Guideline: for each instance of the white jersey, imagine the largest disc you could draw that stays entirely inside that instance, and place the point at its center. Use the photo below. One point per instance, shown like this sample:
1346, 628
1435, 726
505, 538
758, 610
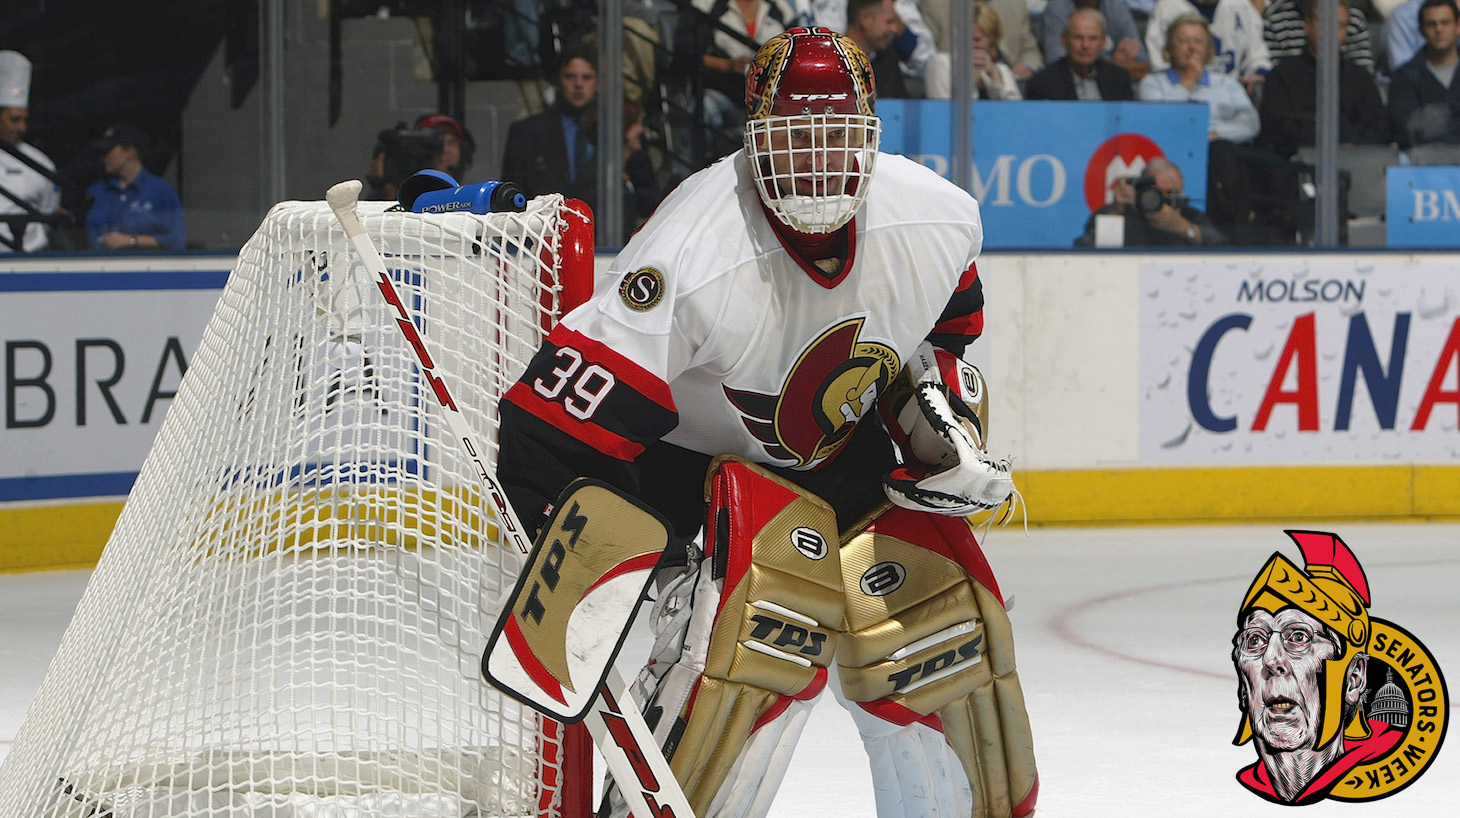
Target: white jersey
761, 358
36, 190
1237, 35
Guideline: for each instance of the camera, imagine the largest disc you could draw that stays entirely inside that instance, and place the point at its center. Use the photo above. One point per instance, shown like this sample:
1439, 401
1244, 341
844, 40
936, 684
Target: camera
407, 151
1149, 198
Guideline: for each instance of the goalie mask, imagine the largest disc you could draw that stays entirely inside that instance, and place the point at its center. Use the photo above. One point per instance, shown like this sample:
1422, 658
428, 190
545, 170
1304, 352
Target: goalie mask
811, 136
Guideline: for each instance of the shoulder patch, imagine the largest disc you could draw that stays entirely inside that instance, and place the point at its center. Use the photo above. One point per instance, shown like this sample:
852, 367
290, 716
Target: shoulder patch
643, 289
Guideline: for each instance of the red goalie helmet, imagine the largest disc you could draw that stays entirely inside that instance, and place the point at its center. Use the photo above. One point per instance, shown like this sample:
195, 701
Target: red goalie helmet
811, 136
809, 70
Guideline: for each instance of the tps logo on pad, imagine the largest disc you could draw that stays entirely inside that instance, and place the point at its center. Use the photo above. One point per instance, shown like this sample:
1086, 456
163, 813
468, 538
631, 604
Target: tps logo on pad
1338, 704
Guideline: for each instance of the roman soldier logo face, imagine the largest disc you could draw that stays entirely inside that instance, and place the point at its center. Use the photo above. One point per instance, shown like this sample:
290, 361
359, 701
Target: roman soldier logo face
1338, 703
832, 384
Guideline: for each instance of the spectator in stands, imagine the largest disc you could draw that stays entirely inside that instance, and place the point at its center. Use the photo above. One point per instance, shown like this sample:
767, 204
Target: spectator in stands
1122, 45
1235, 27
717, 39
1188, 51
874, 25
1171, 221
1402, 37
132, 208
1284, 30
913, 41
436, 142
1232, 122
40, 195
1290, 94
992, 77
457, 145
555, 151
1082, 73
1018, 46
1424, 94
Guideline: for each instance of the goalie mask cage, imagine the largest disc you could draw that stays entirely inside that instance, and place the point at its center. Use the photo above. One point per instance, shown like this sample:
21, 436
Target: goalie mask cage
289, 616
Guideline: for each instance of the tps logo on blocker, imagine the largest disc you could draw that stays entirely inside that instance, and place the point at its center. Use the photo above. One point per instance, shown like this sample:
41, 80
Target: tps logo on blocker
1337, 703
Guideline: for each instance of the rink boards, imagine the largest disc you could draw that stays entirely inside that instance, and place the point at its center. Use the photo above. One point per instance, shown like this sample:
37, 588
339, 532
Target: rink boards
1127, 387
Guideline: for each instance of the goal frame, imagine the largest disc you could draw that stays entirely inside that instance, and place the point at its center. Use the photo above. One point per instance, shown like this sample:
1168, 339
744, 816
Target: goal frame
565, 762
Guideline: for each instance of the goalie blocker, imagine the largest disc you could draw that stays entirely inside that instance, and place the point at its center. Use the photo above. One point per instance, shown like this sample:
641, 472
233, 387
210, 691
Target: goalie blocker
575, 600
906, 611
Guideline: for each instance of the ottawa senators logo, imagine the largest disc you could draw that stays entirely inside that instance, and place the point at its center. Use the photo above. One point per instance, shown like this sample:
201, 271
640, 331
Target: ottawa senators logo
643, 289
834, 382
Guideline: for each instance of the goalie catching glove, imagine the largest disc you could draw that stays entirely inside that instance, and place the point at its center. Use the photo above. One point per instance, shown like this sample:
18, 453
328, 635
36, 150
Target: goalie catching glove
939, 416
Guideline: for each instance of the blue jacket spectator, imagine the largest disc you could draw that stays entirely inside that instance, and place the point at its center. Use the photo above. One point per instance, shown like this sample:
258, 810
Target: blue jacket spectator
132, 208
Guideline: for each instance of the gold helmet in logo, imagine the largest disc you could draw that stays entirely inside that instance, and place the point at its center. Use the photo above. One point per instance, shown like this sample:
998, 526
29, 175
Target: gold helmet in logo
1332, 590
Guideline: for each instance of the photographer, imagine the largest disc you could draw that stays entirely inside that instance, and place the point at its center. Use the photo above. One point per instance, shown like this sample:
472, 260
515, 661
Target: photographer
1155, 211
436, 142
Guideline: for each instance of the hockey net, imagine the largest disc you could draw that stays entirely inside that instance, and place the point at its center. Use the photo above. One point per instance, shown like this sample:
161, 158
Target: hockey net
289, 616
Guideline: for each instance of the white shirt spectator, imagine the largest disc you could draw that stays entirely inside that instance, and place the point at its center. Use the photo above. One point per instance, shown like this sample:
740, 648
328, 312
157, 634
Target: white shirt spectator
998, 81
1236, 28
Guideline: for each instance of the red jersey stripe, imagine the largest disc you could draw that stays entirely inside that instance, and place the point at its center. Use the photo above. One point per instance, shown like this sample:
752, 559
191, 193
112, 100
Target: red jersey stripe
625, 370
589, 434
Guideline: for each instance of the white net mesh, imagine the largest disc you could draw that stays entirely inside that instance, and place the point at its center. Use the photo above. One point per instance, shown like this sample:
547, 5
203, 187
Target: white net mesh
289, 616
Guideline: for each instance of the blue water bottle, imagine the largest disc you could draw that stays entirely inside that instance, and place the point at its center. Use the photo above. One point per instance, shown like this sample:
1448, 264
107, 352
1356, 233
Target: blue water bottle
483, 197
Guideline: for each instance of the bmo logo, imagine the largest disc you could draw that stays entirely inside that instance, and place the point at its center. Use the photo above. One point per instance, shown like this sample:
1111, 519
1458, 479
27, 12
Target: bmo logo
1435, 206
1422, 206
1038, 180
1119, 157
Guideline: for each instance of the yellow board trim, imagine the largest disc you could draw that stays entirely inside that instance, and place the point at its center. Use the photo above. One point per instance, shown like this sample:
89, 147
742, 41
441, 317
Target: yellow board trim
46, 538
39, 538
1281, 494
56, 536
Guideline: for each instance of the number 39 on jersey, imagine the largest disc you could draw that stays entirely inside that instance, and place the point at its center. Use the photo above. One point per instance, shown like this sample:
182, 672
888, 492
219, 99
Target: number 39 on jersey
590, 384
596, 396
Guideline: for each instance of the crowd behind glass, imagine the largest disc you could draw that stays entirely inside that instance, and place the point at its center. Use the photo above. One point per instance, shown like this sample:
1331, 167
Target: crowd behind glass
1252, 62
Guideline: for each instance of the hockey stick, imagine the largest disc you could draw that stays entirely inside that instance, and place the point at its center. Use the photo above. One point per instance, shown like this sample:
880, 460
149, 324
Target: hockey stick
627, 744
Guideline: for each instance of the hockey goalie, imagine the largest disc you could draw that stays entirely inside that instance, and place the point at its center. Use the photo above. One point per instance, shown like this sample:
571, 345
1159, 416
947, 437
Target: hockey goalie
777, 371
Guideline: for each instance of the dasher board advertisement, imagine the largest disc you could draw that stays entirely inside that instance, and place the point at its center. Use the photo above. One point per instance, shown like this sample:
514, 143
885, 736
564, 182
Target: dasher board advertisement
1316, 360
90, 365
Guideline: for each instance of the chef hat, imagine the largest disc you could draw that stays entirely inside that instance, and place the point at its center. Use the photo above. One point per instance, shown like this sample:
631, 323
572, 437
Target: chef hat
14, 80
